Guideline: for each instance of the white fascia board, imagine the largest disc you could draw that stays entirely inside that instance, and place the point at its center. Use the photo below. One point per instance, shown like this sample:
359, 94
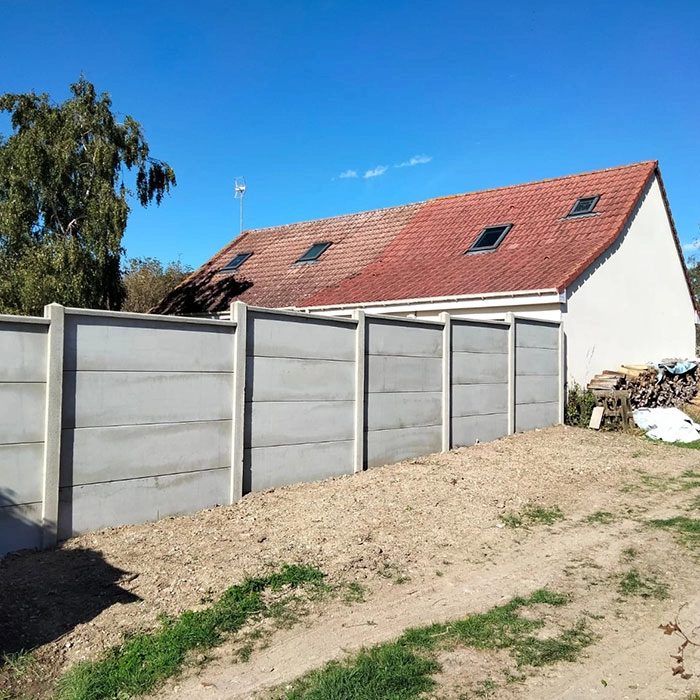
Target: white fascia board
466, 301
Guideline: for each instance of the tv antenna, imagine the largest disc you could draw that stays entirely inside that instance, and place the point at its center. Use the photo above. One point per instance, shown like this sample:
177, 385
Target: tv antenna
239, 193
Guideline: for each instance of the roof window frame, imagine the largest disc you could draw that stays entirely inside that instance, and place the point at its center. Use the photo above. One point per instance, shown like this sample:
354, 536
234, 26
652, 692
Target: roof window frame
476, 248
241, 257
594, 199
306, 259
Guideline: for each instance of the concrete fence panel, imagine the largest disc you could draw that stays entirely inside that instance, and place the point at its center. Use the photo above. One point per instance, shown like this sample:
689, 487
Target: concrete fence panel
23, 366
147, 412
537, 374
404, 389
479, 381
300, 399
110, 419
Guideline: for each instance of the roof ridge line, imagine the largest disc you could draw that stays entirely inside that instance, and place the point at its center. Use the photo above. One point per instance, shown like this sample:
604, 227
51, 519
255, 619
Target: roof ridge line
654, 163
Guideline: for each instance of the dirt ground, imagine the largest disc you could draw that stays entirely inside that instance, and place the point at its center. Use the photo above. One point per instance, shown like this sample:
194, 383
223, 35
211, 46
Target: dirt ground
425, 540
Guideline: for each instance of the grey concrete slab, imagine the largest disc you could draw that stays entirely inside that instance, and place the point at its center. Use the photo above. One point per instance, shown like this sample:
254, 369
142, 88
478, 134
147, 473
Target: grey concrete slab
536, 361
538, 415
272, 467
139, 344
94, 455
298, 422
23, 352
468, 430
94, 399
389, 446
272, 379
403, 410
536, 389
479, 368
20, 527
536, 334
22, 408
95, 506
476, 399
387, 373
276, 335
397, 337
21, 469
478, 336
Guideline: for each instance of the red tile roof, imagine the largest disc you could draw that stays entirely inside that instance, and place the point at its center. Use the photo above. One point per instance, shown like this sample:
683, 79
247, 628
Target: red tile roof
417, 251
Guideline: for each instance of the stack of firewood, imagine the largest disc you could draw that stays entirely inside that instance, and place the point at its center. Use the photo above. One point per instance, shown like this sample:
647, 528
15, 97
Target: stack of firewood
644, 389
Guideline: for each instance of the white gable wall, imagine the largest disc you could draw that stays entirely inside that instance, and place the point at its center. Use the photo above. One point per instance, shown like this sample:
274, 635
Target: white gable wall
632, 305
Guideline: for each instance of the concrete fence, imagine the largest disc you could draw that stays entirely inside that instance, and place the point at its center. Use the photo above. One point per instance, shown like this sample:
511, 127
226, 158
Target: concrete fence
115, 418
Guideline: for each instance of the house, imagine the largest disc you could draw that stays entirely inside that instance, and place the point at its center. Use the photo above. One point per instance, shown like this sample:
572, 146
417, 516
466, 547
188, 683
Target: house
597, 250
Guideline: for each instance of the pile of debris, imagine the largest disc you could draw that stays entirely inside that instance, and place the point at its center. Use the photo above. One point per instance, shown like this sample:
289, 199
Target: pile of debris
667, 384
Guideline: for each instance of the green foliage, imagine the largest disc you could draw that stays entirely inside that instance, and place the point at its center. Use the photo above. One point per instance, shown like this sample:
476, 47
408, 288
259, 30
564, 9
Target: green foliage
633, 583
144, 661
64, 201
603, 517
580, 403
147, 281
401, 670
687, 529
532, 515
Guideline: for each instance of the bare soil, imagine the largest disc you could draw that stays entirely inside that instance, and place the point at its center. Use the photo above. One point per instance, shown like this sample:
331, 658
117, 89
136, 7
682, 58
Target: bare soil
425, 540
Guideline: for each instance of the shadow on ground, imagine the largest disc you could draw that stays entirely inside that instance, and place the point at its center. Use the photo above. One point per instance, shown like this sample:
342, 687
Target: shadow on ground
44, 595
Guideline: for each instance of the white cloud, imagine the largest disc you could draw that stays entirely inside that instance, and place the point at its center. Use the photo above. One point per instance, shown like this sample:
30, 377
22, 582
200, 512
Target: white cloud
693, 247
376, 172
416, 160
348, 173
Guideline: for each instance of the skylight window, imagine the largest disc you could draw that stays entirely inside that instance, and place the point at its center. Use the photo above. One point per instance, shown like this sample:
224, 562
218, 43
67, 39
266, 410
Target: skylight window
235, 262
584, 205
315, 252
490, 238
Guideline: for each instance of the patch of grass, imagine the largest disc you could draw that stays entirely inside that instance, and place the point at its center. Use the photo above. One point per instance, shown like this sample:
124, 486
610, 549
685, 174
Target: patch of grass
532, 515
19, 663
402, 669
354, 592
686, 529
603, 517
633, 583
389, 671
687, 445
143, 661
629, 554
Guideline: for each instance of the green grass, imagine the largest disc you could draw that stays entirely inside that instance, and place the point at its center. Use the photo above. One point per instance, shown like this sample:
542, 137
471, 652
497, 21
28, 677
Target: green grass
687, 529
633, 583
603, 517
354, 592
143, 661
402, 669
687, 445
532, 515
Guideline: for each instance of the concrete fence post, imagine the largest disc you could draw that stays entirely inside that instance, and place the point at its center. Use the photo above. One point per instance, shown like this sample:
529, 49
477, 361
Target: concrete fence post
510, 318
562, 373
360, 396
239, 315
53, 423
446, 381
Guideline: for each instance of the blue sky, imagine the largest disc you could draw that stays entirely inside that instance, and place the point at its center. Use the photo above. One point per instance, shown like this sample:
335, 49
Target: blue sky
293, 94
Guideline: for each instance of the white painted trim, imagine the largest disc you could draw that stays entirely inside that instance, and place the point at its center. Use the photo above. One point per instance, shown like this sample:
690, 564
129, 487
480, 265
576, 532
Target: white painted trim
534, 295
562, 374
52, 425
360, 394
446, 319
239, 314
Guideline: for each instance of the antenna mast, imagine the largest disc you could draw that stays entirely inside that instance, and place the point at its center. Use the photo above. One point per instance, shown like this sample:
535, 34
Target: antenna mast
239, 193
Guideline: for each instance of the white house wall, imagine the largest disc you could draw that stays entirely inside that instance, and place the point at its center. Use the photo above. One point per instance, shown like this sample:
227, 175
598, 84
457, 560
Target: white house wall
633, 304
